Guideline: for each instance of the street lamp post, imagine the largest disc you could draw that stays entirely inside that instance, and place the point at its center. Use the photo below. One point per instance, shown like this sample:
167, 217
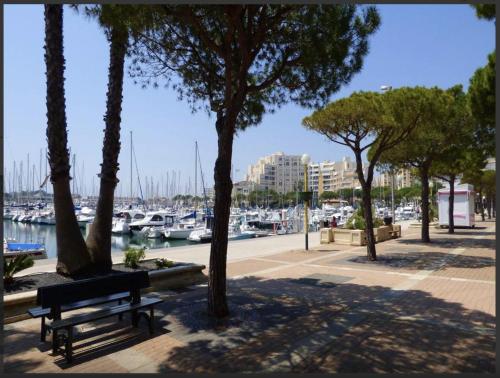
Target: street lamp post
392, 198
305, 161
385, 88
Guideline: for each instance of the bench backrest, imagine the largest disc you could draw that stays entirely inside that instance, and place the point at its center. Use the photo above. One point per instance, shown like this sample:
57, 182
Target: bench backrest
61, 294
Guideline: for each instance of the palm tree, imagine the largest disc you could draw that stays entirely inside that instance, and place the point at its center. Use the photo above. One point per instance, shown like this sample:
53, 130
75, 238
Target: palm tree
113, 20
72, 254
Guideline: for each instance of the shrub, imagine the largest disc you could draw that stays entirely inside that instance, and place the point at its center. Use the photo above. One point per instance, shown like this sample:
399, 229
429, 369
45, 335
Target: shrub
163, 263
133, 256
357, 220
14, 265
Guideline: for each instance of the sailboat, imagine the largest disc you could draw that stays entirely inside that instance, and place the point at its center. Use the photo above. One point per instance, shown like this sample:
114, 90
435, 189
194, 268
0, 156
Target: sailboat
187, 224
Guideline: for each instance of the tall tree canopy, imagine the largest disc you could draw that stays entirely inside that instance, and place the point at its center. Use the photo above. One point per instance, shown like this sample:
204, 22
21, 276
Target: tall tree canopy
482, 103
426, 143
239, 61
486, 11
369, 120
460, 149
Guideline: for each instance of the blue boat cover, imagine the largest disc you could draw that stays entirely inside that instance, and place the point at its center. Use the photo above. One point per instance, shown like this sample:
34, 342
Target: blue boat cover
192, 215
23, 246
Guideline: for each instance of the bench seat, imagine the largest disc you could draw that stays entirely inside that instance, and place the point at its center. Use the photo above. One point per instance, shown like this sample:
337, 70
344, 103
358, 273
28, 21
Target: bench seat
101, 314
67, 324
55, 299
37, 312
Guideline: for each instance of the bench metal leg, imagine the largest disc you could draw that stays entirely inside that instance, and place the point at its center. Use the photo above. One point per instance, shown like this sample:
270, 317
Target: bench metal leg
43, 330
120, 316
55, 341
68, 348
151, 319
135, 318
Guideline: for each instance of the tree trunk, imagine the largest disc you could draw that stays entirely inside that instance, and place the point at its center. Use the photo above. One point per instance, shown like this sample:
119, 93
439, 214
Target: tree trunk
451, 202
493, 205
424, 177
481, 205
367, 213
488, 205
99, 238
72, 254
217, 302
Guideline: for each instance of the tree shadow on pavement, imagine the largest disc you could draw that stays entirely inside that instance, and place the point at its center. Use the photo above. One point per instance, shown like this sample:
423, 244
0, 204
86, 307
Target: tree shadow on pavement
287, 326
98, 339
426, 260
450, 242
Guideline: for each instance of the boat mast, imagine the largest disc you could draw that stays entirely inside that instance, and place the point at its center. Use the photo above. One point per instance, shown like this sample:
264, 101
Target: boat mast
131, 167
28, 179
20, 181
14, 178
73, 190
195, 177
46, 163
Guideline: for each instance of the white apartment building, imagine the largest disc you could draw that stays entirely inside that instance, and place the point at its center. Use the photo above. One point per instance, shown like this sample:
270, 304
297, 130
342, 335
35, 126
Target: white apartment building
402, 179
330, 176
279, 172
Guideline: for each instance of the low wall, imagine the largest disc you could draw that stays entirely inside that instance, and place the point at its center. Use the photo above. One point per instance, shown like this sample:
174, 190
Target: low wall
350, 237
382, 233
16, 305
358, 237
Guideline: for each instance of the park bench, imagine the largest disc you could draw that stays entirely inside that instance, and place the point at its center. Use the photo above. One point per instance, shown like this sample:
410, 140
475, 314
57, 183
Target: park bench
88, 292
43, 313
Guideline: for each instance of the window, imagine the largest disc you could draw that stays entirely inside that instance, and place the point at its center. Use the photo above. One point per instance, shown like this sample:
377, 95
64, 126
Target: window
156, 218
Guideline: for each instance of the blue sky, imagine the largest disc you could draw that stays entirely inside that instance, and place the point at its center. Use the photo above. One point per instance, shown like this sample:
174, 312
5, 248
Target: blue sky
416, 45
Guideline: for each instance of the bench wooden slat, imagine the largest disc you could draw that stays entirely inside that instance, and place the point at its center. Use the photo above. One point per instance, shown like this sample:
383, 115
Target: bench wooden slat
37, 312
101, 314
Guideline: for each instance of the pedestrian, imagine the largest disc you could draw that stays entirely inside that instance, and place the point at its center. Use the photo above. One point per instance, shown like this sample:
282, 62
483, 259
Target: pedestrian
334, 222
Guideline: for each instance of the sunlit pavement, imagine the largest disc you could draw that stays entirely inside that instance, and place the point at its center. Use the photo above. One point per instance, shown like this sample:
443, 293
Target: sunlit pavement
419, 308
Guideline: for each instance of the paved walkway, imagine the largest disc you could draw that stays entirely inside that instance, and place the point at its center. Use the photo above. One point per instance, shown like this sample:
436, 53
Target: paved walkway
419, 308
200, 253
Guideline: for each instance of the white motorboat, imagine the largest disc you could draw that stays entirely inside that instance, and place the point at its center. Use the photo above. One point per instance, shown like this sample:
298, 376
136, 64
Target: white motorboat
154, 232
152, 219
181, 230
7, 214
83, 220
122, 220
47, 218
203, 235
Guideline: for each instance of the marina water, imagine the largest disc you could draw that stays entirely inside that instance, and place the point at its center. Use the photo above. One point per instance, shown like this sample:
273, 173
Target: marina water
46, 234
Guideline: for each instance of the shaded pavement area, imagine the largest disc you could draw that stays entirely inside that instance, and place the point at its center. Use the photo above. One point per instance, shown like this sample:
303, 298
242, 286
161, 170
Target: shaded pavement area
418, 308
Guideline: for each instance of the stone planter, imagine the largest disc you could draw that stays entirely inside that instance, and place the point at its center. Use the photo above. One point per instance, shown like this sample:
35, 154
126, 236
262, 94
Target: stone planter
181, 275
382, 233
358, 237
349, 237
326, 236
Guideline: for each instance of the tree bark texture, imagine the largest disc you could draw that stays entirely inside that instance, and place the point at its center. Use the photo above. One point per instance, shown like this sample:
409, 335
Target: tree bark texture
494, 205
481, 205
99, 238
424, 177
451, 203
217, 302
72, 254
370, 237
488, 205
